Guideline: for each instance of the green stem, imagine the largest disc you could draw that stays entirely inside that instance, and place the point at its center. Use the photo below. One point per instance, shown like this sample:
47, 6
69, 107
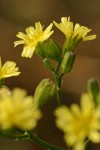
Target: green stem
58, 79
59, 96
86, 143
58, 66
30, 136
1, 82
70, 148
58, 85
43, 143
16, 137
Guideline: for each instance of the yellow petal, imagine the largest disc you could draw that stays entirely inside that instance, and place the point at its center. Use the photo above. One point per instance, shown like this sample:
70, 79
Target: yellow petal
79, 146
91, 37
28, 51
21, 35
19, 42
94, 136
87, 104
75, 110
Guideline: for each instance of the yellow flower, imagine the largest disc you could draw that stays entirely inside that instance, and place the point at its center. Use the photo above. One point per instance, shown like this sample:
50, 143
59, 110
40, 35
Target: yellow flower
32, 37
79, 123
69, 30
8, 69
18, 110
74, 34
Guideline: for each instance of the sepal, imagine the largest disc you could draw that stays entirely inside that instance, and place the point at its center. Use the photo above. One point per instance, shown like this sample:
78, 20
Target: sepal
40, 49
53, 50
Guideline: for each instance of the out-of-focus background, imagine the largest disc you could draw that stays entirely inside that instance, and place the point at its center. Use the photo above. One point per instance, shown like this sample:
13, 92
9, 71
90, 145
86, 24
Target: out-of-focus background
16, 15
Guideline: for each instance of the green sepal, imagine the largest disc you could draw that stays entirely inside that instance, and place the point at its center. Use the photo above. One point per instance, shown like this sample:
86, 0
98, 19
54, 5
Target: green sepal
40, 49
70, 44
53, 50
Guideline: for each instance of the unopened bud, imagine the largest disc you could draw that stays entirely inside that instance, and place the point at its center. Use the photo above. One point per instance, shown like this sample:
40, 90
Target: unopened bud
93, 89
44, 92
67, 62
53, 50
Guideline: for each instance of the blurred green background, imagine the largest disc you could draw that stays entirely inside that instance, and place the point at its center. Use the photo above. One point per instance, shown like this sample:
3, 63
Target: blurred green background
16, 15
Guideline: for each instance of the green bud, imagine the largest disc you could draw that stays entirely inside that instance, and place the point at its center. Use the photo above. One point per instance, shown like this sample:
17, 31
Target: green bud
40, 49
44, 92
93, 89
67, 62
53, 51
48, 64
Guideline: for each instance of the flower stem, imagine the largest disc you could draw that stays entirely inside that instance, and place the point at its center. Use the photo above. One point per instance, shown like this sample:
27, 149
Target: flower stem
70, 148
86, 143
59, 97
14, 136
1, 82
58, 86
58, 66
42, 143
30, 136
58, 79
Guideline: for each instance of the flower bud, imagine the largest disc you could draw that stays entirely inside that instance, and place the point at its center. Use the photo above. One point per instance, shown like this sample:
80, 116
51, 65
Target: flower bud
67, 62
93, 89
53, 50
39, 50
44, 92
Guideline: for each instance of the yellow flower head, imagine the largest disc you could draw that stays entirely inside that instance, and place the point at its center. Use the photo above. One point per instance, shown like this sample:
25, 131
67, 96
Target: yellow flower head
74, 34
69, 30
18, 110
32, 37
79, 123
8, 69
